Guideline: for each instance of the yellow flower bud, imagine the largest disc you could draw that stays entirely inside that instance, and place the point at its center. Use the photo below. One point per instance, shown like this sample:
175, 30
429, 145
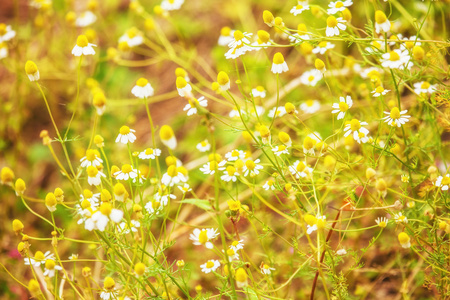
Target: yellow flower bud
139, 269
268, 18
34, 287
290, 108
17, 226
418, 53
20, 187
6, 176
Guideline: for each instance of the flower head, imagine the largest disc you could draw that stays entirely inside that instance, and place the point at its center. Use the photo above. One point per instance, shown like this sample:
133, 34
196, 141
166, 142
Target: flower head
299, 8
379, 91
335, 7
150, 153
204, 237
404, 240
396, 117
210, 266
83, 47
334, 25
382, 222
142, 89
342, 106
382, 24
168, 137
359, 133
279, 65
396, 59
126, 135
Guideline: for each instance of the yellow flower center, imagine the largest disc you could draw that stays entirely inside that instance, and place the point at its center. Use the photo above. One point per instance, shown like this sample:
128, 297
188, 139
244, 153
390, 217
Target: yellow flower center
166, 133
361, 134
90, 155
132, 32
231, 170
260, 88
50, 264
250, 164
395, 113
231, 252
425, 85
355, 125
87, 194
124, 130
238, 35
323, 44
332, 21
109, 283
382, 224
281, 148
181, 82
127, 168
222, 78
30, 68
376, 44
82, 41
39, 255
343, 106
403, 238
2, 29
241, 275
142, 82
310, 78
309, 143
301, 166
339, 4
380, 17
204, 143
278, 58
155, 205
148, 151
299, 6
92, 171
379, 89
238, 164
310, 103
409, 45
172, 171
203, 237
445, 180
393, 56
209, 264
225, 31
106, 208
212, 165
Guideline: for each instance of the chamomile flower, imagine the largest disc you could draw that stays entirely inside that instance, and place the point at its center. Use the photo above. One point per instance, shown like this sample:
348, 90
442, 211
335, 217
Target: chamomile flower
185, 188
279, 65
301, 35
210, 266
310, 106
204, 237
396, 117
239, 45
335, 7
299, 8
150, 153
262, 41
92, 158
382, 222
3, 50
400, 218
126, 135
252, 168
91, 197
6, 33
300, 169
334, 25
142, 89
259, 91
172, 176
342, 106
235, 155
191, 107
226, 36
269, 185
126, 228
266, 269
424, 87
359, 133
38, 259
126, 173
404, 240
209, 168
372, 72
234, 113
154, 207
83, 47
237, 245
230, 174
277, 111
105, 214
168, 137
322, 47
382, 24
169, 5
443, 182
51, 268
183, 87
379, 91
203, 146
285, 139
280, 149
32, 71
109, 290
85, 19
314, 222
94, 175
311, 77
396, 59
133, 37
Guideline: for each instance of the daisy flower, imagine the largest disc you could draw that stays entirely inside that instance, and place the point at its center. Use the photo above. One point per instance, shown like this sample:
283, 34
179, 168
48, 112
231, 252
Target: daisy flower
168, 137
382, 24
285, 139
185, 188
91, 197
226, 36
232, 254
299, 8
237, 245
142, 89
266, 269
443, 182
83, 47
39, 258
109, 290
203, 146
223, 80
239, 44
382, 222
6, 33
300, 169
209, 168
322, 47
359, 133
280, 149
308, 145
133, 37
279, 65
314, 223
85, 19
50, 268
311, 77
169, 5
183, 87
396, 59
126, 135
204, 237
370, 73
424, 87
259, 91
237, 51
251, 167
334, 25
92, 158
335, 7
396, 117
342, 106
154, 207
278, 111
191, 107
150, 153
376, 47
172, 176
399, 218
404, 240
301, 35
379, 91
235, 155
126, 173
269, 185
234, 113
105, 214
94, 175
230, 174
210, 266
310, 106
